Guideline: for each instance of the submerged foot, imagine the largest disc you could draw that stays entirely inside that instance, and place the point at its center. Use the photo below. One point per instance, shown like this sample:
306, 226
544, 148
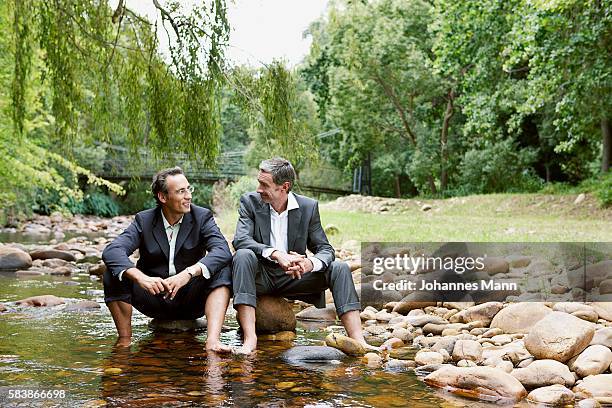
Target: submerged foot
218, 347
248, 347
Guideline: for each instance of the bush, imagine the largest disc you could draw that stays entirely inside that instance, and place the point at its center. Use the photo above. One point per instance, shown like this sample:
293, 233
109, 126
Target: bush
203, 195
99, 204
499, 167
243, 185
94, 202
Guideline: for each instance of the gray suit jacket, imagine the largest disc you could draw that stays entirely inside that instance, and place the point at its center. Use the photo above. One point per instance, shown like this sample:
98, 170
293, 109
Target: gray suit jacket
304, 231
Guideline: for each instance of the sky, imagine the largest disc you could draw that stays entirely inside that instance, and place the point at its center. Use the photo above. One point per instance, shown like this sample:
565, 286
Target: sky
261, 30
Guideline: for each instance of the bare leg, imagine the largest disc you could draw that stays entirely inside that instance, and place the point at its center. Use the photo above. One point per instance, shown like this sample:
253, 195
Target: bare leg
215, 308
352, 323
122, 315
246, 318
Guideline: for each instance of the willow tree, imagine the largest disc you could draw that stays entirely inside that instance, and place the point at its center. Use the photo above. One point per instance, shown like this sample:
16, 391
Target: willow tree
81, 71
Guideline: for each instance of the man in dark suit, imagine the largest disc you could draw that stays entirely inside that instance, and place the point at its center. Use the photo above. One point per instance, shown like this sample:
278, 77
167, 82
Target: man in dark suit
184, 267
274, 230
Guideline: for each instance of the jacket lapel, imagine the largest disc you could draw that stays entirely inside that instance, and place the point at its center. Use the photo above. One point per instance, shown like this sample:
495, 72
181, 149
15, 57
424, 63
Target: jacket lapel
184, 230
293, 225
160, 234
262, 220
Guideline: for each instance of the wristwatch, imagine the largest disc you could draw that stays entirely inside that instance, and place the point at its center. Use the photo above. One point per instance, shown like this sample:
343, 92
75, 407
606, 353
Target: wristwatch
191, 273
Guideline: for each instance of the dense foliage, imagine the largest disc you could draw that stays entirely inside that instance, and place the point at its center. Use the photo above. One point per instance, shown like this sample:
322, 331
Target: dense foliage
466, 96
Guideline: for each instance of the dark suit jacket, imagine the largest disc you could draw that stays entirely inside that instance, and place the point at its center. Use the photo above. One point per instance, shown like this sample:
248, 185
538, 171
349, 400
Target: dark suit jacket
199, 240
304, 231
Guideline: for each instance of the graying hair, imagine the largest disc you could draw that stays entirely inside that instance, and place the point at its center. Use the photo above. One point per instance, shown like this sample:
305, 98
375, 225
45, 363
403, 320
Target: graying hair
160, 181
280, 169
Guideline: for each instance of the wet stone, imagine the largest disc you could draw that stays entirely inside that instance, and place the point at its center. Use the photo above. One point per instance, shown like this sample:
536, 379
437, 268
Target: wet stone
177, 325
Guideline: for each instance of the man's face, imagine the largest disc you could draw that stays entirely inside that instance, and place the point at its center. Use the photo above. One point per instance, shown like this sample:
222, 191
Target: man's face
178, 199
269, 191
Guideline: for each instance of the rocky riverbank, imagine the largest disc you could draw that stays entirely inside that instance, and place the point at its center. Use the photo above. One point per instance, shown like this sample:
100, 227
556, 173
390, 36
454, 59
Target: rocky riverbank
557, 353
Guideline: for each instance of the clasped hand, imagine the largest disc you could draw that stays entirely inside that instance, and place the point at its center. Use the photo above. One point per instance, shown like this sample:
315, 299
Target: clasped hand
293, 264
168, 287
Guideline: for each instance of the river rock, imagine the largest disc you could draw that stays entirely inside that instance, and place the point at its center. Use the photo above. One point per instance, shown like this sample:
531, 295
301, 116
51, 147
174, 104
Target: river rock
592, 361
591, 276
415, 300
177, 325
97, 270
594, 386
83, 305
53, 263
428, 357
445, 343
13, 258
53, 254
402, 353
556, 395
605, 287
348, 345
519, 317
280, 336
372, 360
2, 308
603, 337
603, 309
273, 314
312, 354
559, 336
541, 373
518, 261
424, 319
588, 403
475, 381
495, 265
484, 312
327, 314
43, 300
467, 350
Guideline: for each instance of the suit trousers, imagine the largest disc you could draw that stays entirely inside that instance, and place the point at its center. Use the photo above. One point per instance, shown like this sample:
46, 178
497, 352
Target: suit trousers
188, 304
251, 277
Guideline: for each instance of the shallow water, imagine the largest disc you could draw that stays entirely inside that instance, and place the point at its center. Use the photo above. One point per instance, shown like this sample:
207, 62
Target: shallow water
51, 349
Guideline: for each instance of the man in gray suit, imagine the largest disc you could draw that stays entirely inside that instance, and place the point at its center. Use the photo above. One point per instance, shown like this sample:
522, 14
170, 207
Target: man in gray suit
274, 230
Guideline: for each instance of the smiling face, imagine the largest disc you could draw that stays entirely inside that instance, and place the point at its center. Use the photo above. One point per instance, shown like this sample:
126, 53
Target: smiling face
271, 192
178, 199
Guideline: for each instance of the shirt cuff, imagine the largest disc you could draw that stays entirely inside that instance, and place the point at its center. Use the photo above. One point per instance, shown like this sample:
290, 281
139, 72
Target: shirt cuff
317, 265
205, 271
267, 252
121, 275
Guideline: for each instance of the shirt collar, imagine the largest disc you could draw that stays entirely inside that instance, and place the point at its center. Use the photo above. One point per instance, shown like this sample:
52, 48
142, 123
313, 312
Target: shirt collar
167, 224
292, 203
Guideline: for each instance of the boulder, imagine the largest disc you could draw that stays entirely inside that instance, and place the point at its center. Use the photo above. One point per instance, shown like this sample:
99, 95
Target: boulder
177, 325
273, 314
592, 361
603, 309
492, 383
53, 254
43, 300
556, 395
495, 265
541, 373
346, 344
467, 350
54, 263
97, 270
428, 357
484, 312
603, 337
519, 317
327, 314
595, 386
415, 300
312, 354
559, 336
13, 258
280, 336
424, 319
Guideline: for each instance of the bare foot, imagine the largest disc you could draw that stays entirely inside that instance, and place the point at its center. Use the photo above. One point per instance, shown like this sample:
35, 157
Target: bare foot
247, 347
123, 342
369, 347
218, 347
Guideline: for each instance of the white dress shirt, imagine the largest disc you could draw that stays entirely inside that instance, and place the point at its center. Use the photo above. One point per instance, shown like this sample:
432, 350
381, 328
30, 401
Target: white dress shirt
278, 232
171, 233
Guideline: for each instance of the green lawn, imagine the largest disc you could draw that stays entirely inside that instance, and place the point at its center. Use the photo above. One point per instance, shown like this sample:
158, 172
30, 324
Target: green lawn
494, 218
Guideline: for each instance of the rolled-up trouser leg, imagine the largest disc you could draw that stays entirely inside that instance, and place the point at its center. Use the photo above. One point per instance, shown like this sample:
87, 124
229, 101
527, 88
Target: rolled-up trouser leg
245, 267
340, 281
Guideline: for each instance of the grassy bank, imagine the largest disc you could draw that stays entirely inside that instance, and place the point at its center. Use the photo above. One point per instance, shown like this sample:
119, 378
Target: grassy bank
493, 218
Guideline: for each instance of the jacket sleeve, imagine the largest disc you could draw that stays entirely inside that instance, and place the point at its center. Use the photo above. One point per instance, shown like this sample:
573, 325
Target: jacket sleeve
245, 229
218, 254
116, 254
317, 241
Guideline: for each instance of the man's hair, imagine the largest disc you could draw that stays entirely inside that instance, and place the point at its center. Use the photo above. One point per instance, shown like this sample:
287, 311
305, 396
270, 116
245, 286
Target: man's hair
280, 169
160, 182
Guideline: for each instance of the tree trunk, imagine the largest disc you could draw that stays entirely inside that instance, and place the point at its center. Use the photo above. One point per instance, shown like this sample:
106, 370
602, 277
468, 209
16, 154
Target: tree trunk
432, 185
398, 191
606, 133
444, 139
